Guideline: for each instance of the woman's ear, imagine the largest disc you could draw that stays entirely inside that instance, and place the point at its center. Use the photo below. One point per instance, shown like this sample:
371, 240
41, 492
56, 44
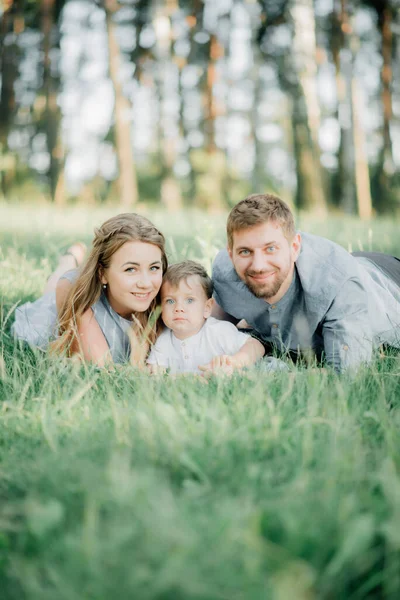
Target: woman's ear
208, 307
102, 277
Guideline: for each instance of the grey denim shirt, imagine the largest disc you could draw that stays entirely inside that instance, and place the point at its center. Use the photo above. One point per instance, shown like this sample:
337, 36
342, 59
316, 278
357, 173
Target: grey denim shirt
337, 304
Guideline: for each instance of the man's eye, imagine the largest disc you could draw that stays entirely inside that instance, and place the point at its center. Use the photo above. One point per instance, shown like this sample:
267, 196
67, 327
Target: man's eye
244, 252
271, 249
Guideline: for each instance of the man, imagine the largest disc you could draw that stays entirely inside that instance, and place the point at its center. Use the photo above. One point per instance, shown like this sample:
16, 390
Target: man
304, 293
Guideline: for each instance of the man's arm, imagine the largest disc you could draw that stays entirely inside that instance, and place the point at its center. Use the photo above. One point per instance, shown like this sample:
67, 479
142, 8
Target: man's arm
346, 328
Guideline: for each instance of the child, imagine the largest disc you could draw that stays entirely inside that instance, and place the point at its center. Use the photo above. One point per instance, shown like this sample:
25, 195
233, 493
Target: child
193, 341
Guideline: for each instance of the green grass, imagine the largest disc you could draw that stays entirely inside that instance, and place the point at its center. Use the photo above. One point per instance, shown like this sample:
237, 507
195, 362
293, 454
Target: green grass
119, 485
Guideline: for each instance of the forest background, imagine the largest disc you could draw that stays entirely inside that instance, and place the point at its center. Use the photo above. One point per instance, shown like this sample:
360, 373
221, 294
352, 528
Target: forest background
192, 103
260, 486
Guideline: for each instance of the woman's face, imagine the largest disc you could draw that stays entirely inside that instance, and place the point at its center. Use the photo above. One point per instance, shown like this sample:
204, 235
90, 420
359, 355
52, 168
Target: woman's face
133, 277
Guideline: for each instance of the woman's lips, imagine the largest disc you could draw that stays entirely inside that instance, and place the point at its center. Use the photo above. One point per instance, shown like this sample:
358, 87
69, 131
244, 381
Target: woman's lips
140, 296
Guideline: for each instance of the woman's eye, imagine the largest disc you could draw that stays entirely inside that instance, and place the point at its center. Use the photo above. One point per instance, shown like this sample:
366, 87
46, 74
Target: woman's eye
130, 270
155, 268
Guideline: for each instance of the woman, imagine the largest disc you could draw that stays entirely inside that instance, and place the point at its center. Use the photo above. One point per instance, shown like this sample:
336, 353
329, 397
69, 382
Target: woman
110, 302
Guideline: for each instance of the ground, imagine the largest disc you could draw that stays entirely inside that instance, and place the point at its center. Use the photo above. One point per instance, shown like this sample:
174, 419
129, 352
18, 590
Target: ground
116, 484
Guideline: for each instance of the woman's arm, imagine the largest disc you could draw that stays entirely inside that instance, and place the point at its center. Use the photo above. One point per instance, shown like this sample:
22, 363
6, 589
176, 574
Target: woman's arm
62, 289
90, 343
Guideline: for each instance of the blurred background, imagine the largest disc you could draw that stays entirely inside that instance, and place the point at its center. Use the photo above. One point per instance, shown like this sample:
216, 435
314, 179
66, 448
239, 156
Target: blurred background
197, 103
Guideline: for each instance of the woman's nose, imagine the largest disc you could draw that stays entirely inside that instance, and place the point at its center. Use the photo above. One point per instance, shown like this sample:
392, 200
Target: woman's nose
143, 281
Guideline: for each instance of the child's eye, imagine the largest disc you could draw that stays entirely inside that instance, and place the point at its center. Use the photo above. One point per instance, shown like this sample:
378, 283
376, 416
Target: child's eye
169, 301
190, 300
271, 249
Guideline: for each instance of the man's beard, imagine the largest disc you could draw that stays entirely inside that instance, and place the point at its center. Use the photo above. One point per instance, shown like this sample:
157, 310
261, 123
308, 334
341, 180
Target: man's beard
265, 290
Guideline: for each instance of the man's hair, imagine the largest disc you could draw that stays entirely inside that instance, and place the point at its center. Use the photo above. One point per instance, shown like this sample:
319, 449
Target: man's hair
185, 269
257, 209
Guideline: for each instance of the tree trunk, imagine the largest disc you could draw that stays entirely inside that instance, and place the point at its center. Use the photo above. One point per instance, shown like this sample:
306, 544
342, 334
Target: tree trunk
171, 193
211, 182
357, 185
11, 20
52, 113
127, 179
306, 125
364, 201
386, 165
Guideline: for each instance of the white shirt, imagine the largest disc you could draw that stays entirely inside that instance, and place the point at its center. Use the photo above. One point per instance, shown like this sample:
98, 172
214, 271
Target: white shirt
184, 356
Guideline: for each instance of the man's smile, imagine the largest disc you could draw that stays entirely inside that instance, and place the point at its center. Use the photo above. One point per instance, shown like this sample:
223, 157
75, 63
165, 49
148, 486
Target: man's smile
261, 276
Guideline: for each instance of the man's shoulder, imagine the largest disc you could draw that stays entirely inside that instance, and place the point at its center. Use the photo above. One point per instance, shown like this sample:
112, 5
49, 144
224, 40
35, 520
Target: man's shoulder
320, 256
223, 268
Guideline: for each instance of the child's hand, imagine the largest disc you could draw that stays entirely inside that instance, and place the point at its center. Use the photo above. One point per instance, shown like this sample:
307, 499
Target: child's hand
223, 364
156, 370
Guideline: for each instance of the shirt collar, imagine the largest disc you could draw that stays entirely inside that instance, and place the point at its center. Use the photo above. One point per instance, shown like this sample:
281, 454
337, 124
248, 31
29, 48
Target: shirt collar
292, 292
124, 322
193, 340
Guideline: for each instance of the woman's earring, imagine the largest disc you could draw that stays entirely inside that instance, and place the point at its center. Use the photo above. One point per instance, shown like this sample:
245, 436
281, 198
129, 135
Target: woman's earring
104, 286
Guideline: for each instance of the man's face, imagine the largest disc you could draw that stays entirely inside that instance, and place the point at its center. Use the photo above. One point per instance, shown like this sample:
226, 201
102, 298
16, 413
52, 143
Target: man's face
264, 259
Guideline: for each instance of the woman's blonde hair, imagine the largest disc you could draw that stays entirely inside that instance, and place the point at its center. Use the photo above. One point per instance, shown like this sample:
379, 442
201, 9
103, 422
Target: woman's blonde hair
114, 233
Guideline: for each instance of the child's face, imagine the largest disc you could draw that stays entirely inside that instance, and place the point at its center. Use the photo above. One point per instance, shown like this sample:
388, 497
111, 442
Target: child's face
185, 307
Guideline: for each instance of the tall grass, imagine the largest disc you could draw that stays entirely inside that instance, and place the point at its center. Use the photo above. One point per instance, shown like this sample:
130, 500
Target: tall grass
117, 484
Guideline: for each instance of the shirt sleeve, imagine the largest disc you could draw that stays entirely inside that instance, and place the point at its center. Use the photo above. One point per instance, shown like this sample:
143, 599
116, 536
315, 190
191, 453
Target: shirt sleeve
231, 340
158, 355
346, 329
71, 276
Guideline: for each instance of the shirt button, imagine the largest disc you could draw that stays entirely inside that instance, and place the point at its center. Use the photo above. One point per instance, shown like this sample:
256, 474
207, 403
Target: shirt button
186, 357
274, 325
345, 347
183, 344
273, 307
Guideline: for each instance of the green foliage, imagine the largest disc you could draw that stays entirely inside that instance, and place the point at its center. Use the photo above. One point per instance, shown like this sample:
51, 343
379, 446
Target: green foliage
117, 484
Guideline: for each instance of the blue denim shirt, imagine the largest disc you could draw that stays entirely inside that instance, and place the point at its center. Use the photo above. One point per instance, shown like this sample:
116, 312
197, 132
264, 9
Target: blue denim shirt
337, 304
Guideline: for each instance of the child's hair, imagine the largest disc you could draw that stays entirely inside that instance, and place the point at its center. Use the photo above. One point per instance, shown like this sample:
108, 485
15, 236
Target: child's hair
185, 269
114, 233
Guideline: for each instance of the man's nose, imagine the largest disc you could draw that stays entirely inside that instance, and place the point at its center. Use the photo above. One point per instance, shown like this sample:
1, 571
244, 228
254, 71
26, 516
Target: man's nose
258, 262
